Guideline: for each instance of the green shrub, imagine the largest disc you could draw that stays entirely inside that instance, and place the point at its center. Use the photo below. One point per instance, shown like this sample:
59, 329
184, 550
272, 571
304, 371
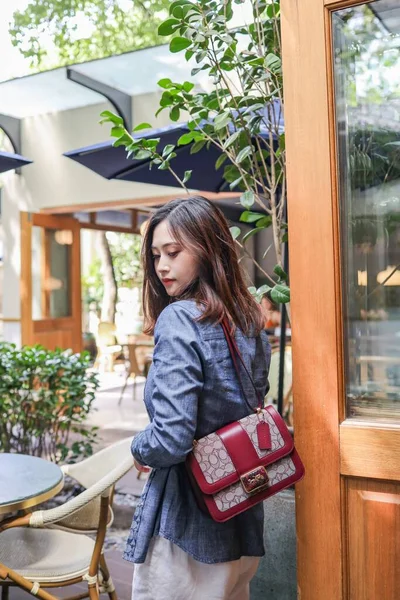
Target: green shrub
45, 397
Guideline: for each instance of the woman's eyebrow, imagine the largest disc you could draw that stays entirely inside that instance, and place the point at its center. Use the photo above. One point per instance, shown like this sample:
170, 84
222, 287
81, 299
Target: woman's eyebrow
165, 245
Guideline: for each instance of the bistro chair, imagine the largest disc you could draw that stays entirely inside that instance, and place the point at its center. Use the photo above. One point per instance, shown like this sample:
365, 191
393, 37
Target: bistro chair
51, 548
108, 351
134, 367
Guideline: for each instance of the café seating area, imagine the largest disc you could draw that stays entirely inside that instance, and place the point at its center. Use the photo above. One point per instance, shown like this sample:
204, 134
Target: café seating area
45, 549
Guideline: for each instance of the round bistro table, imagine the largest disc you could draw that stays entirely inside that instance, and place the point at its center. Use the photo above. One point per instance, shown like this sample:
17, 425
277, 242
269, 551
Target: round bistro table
26, 481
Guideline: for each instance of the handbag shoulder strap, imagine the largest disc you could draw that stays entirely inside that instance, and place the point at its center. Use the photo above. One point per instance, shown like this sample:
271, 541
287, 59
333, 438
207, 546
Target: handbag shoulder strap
235, 354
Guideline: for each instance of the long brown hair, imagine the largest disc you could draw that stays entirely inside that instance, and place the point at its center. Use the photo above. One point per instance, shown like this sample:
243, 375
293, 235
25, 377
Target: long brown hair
201, 227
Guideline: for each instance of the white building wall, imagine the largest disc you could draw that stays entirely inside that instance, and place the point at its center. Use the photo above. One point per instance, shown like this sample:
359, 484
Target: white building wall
54, 181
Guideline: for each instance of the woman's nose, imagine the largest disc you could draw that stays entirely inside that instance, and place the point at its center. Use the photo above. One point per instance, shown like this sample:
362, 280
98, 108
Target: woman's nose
162, 266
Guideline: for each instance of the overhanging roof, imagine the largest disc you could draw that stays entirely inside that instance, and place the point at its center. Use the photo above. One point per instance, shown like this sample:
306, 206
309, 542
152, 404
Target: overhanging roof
134, 73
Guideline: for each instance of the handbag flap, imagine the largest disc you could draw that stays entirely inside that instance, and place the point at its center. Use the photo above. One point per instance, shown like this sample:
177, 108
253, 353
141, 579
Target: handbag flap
216, 465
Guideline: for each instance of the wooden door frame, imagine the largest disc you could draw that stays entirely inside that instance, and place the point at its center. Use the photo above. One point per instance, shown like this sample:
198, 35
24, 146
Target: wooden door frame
332, 447
317, 338
28, 221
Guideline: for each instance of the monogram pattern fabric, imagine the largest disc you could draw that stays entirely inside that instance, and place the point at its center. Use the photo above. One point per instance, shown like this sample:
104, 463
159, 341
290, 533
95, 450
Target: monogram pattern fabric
213, 459
235, 494
249, 424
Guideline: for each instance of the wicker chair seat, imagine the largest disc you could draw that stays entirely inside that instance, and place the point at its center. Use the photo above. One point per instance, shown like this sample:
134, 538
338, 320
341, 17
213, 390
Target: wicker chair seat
46, 555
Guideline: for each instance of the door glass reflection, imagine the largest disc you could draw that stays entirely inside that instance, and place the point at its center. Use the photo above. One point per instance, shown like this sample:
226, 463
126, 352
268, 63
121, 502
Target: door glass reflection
51, 266
367, 95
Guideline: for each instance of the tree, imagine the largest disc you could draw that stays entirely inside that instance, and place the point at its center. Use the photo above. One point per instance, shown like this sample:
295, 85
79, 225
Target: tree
116, 266
240, 115
110, 285
52, 33
82, 30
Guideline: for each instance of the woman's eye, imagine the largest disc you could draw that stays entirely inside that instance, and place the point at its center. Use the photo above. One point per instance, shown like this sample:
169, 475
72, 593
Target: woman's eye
155, 256
173, 254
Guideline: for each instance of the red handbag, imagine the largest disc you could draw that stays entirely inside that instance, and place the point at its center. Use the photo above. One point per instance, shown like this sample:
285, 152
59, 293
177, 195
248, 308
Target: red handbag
244, 462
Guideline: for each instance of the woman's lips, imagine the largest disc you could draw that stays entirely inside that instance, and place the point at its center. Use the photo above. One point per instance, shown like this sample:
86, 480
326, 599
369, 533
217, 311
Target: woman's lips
168, 281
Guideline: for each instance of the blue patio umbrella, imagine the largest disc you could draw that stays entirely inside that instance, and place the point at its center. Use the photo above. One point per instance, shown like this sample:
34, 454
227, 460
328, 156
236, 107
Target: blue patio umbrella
112, 162
10, 161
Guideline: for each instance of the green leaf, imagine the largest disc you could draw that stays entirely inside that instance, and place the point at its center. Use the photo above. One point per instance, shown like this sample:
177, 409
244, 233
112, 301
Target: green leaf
244, 153
273, 62
220, 161
280, 294
108, 116
196, 70
200, 56
168, 27
178, 3
235, 183
142, 154
264, 221
124, 140
142, 126
227, 65
231, 139
180, 10
231, 173
247, 199
250, 233
188, 86
250, 217
187, 176
117, 131
197, 146
280, 272
235, 232
178, 44
167, 150
273, 11
264, 289
174, 114
222, 120
165, 83
186, 138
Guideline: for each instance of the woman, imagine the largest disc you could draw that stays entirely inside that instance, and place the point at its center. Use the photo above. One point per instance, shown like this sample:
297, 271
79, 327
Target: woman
191, 280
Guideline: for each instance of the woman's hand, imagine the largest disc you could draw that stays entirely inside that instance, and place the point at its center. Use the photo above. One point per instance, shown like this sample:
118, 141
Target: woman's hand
140, 468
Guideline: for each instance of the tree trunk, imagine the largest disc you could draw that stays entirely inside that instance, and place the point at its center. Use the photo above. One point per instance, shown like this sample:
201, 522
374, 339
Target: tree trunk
110, 286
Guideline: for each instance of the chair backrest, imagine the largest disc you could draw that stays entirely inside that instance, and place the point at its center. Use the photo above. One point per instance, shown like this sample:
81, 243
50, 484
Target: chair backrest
134, 367
106, 334
273, 376
90, 470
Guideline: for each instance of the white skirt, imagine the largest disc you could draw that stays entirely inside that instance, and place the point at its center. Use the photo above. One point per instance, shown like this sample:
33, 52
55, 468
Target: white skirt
168, 573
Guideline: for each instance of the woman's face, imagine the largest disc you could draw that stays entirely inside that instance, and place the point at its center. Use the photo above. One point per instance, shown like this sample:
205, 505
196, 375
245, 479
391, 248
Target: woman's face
175, 265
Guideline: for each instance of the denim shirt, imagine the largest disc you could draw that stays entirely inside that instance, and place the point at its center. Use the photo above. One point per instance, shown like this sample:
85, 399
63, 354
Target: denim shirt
192, 390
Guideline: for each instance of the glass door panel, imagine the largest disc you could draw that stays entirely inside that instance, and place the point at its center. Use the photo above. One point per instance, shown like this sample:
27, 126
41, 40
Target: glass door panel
367, 93
51, 273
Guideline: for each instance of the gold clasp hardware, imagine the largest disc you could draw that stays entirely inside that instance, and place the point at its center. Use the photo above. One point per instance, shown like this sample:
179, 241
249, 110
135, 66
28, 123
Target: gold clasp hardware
255, 480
